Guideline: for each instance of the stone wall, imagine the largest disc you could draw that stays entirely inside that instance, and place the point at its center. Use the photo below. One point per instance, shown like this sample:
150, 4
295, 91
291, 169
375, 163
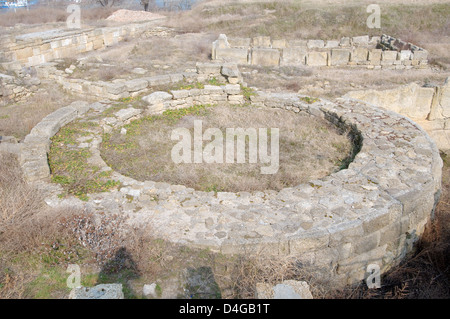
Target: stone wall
427, 106
16, 88
373, 53
117, 89
373, 212
40, 47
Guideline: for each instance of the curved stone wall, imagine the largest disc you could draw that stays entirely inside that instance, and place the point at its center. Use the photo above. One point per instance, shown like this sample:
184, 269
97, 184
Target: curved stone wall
371, 213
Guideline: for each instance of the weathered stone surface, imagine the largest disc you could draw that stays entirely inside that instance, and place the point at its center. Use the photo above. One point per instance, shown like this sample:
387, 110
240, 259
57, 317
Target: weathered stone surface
265, 57
317, 59
157, 97
288, 289
389, 55
294, 56
126, 114
359, 54
340, 56
411, 100
237, 55
361, 40
136, 85
315, 44
104, 291
375, 56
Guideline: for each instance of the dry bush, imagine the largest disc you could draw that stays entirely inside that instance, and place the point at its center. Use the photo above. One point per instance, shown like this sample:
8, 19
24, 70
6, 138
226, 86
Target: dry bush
18, 119
18, 200
46, 14
251, 268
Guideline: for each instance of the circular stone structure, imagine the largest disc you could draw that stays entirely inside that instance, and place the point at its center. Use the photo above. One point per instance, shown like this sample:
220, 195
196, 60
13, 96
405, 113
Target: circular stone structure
370, 213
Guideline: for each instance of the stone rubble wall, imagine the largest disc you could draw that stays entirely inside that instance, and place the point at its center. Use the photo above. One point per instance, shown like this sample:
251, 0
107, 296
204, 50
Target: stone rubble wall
40, 47
117, 89
361, 51
16, 89
371, 213
427, 106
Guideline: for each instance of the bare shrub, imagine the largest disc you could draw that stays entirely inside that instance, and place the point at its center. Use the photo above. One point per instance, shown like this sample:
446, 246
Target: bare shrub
18, 200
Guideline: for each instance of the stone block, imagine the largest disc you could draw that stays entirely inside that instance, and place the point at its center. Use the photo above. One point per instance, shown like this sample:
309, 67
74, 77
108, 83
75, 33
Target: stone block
359, 54
103, 291
332, 44
317, 59
361, 40
236, 55
136, 85
405, 55
389, 56
288, 289
265, 57
339, 57
375, 56
344, 42
315, 44
294, 56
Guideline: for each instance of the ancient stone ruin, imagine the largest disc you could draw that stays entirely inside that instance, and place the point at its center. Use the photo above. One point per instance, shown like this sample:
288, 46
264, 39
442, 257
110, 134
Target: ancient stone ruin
383, 52
372, 212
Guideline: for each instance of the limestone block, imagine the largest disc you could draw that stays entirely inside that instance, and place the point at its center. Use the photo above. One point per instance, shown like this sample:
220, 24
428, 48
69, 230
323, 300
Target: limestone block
294, 56
136, 85
315, 44
297, 43
375, 56
115, 88
279, 44
389, 56
288, 289
332, 44
103, 291
157, 97
236, 55
340, 56
359, 54
126, 114
261, 42
317, 58
158, 80
410, 100
233, 89
344, 42
208, 68
265, 57
405, 55
361, 40
180, 94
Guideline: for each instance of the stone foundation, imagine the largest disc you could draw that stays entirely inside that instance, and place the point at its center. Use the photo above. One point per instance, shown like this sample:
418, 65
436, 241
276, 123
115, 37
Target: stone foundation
373, 212
427, 106
383, 52
40, 47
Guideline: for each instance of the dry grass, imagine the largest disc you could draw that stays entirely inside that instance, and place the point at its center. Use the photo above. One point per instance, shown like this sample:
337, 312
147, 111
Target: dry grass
44, 13
309, 149
19, 118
